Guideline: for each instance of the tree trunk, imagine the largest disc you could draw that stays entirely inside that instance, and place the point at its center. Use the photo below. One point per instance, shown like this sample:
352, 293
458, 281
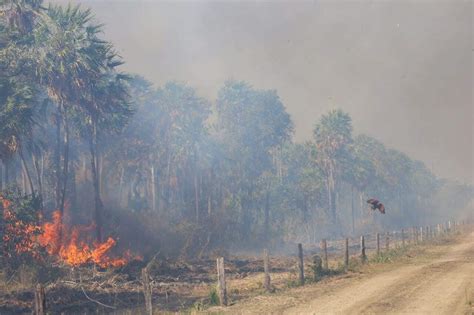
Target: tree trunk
95, 181
84, 169
161, 194
23, 182
267, 215
65, 162
305, 208
38, 178
196, 195
7, 172
153, 188
352, 209
1, 175
209, 204
26, 170
331, 193
73, 192
168, 179
100, 162
42, 176
121, 187
57, 160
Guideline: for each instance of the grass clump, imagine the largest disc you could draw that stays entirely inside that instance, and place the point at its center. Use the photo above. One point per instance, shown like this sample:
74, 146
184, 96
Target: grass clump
199, 305
213, 297
388, 256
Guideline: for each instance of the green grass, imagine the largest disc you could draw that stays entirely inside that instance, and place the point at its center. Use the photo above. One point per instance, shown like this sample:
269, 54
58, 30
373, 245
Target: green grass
389, 256
213, 297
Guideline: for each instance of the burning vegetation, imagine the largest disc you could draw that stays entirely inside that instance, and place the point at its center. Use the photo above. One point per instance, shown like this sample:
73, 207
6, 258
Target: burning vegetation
76, 248
71, 245
19, 235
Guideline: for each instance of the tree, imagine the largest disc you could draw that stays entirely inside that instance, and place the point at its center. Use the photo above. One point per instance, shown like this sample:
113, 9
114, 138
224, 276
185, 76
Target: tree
251, 123
333, 136
107, 109
16, 120
18, 92
63, 58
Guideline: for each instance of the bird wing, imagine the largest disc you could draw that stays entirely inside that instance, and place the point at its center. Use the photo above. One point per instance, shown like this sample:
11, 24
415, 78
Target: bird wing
372, 201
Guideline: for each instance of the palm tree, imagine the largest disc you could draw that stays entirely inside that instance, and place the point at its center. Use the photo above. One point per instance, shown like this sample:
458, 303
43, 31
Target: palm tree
107, 109
66, 44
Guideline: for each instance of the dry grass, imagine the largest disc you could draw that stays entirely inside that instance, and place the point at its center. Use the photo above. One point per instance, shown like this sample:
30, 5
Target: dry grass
190, 287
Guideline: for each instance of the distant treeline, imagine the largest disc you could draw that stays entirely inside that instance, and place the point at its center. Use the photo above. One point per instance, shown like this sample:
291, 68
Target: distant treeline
165, 167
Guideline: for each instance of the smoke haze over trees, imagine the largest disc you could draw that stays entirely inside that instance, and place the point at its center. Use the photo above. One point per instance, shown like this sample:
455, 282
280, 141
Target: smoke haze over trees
407, 64
161, 164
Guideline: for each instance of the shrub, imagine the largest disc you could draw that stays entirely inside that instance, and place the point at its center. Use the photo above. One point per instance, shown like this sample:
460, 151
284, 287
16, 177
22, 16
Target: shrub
19, 226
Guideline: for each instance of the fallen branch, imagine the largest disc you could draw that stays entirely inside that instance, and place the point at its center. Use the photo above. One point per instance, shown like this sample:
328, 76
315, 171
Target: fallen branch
152, 260
11, 278
95, 301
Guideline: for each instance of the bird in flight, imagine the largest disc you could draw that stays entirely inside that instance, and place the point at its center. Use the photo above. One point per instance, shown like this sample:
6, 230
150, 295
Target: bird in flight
375, 204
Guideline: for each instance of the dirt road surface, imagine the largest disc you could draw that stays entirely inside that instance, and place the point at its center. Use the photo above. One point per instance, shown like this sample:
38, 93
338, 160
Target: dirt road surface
440, 283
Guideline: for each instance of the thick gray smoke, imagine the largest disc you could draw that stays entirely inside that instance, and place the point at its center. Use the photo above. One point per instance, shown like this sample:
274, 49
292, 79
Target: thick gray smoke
402, 69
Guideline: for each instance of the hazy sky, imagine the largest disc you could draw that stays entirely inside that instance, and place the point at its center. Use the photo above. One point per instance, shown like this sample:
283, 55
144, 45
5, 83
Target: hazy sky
402, 69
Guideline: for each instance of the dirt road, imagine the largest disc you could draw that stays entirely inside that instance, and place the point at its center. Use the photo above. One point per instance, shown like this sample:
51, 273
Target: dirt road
442, 285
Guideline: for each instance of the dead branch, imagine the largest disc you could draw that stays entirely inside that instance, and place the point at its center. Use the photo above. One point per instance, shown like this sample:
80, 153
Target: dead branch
95, 301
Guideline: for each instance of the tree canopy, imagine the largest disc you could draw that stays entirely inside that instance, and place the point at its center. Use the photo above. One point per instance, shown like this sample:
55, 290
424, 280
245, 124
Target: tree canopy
82, 136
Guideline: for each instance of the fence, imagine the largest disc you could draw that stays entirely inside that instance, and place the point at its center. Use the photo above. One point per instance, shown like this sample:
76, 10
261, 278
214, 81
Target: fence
358, 247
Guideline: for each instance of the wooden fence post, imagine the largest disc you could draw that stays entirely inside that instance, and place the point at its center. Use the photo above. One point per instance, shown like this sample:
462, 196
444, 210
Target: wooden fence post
147, 291
403, 237
40, 300
346, 255
363, 256
413, 235
266, 268
421, 234
438, 228
324, 249
300, 263
377, 236
221, 285
387, 241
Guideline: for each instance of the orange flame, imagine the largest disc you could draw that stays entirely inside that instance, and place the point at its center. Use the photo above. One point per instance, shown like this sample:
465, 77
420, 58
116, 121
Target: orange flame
73, 250
69, 244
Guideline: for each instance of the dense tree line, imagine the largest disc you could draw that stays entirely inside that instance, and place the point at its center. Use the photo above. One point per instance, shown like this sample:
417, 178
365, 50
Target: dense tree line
162, 164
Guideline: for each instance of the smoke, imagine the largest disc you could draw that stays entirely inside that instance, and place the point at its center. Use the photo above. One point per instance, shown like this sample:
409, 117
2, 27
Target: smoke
402, 69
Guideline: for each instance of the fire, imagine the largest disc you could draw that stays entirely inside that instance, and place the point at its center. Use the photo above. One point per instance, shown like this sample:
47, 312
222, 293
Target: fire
73, 248
70, 244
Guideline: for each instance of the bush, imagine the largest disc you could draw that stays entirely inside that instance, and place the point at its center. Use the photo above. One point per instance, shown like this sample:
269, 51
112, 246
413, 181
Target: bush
19, 226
